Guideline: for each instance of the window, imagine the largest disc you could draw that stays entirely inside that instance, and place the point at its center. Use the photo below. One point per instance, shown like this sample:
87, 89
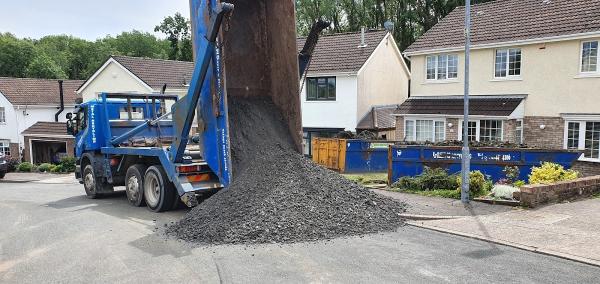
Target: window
508, 63
519, 132
584, 135
483, 130
321, 89
589, 57
422, 130
2, 115
442, 67
5, 147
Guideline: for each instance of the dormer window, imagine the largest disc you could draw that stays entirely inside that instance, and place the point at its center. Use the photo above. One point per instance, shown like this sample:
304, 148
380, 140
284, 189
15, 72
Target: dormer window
589, 57
442, 67
508, 63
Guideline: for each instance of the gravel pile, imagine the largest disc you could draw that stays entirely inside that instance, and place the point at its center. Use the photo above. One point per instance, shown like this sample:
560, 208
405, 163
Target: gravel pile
279, 196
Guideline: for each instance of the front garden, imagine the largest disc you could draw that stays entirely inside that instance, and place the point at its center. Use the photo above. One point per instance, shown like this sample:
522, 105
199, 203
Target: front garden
66, 165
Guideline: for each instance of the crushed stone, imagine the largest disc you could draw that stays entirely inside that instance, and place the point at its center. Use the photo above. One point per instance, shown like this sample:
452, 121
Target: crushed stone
278, 195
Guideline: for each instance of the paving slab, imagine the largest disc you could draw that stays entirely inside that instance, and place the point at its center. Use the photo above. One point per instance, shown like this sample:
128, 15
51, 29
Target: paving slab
569, 230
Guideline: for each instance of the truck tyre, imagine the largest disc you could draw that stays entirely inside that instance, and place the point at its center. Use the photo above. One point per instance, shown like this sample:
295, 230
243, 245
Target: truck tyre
134, 185
158, 190
94, 186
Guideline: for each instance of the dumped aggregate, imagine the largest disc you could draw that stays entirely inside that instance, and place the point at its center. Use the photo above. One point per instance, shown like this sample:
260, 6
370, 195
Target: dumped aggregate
278, 195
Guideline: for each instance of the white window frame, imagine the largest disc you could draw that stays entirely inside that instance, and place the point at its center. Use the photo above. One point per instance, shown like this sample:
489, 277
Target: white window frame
2, 115
436, 57
2, 142
597, 72
414, 128
581, 143
478, 129
508, 77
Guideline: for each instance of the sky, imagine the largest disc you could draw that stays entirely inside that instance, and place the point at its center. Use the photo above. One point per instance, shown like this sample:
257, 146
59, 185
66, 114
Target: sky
87, 19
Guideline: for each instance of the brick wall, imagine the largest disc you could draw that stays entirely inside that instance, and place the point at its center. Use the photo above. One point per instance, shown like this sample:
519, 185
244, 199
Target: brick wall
509, 128
15, 152
551, 136
587, 168
535, 195
452, 132
399, 128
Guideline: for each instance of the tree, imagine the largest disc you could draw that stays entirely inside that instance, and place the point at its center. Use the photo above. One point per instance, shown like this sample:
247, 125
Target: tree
177, 28
138, 44
42, 66
15, 55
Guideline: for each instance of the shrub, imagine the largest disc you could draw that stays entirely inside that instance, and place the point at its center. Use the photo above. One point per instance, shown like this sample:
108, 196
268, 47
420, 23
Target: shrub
44, 168
57, 169
549, 173
479, 184
68, 164
504, 191
25, 167
12, 164
430, 179
519, 183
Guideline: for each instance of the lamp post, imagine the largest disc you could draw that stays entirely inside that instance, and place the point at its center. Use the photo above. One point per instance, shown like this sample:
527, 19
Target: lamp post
466, 156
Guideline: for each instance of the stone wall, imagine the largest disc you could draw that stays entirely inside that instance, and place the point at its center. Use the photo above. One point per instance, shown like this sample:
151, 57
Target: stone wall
538, 194
587, 168
552, 136
509, 128
15, 151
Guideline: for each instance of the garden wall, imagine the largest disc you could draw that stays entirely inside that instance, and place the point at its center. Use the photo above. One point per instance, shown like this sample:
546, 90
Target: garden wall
538, 194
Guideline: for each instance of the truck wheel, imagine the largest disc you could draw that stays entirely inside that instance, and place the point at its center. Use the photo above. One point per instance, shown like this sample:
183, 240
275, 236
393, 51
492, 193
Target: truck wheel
158, 190
94, 187
134, 185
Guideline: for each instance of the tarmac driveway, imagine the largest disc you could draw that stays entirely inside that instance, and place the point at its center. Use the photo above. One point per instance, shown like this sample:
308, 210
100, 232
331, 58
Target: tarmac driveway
52, 233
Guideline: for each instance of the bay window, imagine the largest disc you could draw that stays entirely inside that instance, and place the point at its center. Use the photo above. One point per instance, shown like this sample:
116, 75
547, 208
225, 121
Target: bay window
424, 130
483, 130
508, 63
589, 57
442, 67
584, 135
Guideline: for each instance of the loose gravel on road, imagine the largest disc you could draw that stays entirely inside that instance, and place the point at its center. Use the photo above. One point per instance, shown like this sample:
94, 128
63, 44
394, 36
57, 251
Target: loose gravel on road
278, 195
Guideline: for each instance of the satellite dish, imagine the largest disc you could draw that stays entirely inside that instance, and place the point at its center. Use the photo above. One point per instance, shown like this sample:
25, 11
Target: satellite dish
389, 26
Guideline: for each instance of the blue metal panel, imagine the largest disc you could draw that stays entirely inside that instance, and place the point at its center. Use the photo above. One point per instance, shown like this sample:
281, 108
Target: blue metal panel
366, 157
411, 160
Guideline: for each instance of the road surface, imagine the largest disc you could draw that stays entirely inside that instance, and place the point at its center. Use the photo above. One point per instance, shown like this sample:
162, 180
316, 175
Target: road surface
52, 233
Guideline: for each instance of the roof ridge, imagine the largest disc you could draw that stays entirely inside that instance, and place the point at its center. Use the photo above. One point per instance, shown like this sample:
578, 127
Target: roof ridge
149, 59
348, 33
40, 79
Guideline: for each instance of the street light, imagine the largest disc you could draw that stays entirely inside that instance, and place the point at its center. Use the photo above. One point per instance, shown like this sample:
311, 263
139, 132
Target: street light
466, 156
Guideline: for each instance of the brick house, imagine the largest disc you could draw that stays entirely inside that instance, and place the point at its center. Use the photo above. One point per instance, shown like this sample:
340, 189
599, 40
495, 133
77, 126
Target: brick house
535, 77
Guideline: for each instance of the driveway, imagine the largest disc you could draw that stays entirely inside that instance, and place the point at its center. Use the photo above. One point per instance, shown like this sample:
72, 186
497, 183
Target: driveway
52, 233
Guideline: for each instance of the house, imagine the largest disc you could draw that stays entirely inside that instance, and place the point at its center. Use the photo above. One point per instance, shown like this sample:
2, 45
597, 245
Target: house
535, 77
25, 102
124, 74
349, 75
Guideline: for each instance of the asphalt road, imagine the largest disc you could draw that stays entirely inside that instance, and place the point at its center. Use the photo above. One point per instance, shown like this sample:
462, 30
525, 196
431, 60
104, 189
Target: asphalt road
52, 233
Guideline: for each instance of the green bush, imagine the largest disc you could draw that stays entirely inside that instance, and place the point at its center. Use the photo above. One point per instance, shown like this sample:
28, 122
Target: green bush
44, 168
479, 184
57, 169
549, 173
430, 179
512, 173
68, 164
25, 167
519, 183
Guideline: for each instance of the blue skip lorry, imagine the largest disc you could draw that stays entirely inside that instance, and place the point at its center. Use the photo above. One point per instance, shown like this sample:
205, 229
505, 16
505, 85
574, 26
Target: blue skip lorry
146, 142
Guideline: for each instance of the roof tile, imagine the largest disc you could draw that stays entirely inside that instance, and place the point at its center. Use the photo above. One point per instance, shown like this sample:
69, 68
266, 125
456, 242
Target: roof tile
30, 91
158, 72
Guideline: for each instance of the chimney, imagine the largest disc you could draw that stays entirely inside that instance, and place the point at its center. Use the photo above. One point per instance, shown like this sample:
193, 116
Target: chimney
62, 100
363, 41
